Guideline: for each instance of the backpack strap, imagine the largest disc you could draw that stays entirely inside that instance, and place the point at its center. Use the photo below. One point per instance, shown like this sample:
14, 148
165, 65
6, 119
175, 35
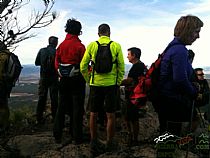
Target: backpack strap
8, 53
107, 44
94, 63
98, 43
4, 55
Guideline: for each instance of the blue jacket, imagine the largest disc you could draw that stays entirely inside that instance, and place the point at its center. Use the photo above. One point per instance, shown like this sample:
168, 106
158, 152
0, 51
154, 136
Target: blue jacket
176, 72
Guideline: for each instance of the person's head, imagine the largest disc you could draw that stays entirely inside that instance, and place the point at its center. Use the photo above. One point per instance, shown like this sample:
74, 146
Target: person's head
200, 74
73, 27
104, 30
134, 54
187, 29
53, 41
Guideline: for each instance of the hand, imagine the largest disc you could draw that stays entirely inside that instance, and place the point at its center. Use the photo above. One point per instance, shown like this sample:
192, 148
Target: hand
59, 74
199, 97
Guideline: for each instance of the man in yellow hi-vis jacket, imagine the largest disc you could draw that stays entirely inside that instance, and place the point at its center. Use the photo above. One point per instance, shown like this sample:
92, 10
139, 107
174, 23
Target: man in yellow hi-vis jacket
103, 86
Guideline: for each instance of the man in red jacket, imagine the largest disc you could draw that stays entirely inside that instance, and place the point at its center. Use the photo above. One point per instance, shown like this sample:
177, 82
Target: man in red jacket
71, 83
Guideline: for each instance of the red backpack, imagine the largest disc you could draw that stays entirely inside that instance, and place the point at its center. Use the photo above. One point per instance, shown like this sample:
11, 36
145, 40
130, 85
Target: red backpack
146, 89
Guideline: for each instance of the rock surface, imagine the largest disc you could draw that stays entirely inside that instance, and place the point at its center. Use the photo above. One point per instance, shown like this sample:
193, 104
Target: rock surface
38, 142
42, 145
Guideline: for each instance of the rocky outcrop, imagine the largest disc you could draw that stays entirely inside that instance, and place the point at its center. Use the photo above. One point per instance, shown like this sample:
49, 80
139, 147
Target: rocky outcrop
42, 145
148, 127
29, 145
46, 148
3, 152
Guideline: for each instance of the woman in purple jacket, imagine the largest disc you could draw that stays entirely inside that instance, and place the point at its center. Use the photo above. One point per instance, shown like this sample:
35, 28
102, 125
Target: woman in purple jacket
176, 86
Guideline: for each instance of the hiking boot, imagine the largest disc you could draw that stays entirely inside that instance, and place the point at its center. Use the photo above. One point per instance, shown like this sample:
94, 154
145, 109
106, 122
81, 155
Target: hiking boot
58, 140
142, 113
2, 132
77, 142
96, 148
129, 139
66, 141
101, 127
135, 143
111, 146
40, 121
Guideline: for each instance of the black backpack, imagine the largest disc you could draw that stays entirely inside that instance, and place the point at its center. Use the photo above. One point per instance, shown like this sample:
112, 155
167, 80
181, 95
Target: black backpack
103, 62
12, 69
48, 64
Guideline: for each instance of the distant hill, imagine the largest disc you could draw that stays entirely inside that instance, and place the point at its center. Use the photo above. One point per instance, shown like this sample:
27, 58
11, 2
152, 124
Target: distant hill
29, 70
127, 68
33, 71
30, 73
207, 72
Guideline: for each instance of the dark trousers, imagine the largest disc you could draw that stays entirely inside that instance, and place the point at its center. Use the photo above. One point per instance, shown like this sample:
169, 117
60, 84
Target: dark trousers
4, 108
46, 84
173, 111
71, 101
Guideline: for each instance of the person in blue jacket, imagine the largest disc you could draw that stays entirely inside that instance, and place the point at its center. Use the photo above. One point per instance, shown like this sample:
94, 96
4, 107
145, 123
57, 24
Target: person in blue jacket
177, 88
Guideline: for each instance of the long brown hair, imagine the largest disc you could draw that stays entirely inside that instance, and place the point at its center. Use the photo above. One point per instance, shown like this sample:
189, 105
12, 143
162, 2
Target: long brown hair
185, 27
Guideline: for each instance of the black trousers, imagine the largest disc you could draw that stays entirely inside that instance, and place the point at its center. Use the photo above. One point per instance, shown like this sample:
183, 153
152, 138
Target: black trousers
46, 84
173, 111
4, 108
71, 101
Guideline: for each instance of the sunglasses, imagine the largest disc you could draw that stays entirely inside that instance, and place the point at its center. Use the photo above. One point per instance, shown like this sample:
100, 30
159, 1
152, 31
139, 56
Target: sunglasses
200, 74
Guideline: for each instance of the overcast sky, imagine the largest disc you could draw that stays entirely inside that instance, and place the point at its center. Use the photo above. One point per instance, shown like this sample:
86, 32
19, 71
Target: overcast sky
147, 24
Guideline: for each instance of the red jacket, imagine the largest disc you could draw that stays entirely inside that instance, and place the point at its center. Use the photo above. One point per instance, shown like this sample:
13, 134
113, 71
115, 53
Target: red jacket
70, 51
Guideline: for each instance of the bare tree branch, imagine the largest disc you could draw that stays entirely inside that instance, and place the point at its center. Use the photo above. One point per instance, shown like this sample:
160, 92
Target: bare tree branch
4, 4
11, 32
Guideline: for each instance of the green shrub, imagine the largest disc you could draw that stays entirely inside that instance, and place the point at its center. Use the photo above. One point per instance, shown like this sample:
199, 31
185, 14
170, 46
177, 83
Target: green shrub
21, 116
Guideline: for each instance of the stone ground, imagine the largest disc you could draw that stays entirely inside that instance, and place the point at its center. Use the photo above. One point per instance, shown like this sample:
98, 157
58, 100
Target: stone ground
33, 141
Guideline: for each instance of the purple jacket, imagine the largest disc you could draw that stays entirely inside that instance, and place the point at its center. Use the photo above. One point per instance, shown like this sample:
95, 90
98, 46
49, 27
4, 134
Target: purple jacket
176, 72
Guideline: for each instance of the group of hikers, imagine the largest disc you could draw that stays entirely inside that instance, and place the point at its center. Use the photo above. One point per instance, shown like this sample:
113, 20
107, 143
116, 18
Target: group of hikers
74, 65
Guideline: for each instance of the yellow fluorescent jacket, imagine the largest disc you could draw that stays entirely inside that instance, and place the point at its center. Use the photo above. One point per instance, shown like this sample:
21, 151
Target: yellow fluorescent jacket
106, 79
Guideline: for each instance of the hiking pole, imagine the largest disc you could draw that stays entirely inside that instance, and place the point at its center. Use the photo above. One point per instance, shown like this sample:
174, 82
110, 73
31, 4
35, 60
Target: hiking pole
190, 126
201, 117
